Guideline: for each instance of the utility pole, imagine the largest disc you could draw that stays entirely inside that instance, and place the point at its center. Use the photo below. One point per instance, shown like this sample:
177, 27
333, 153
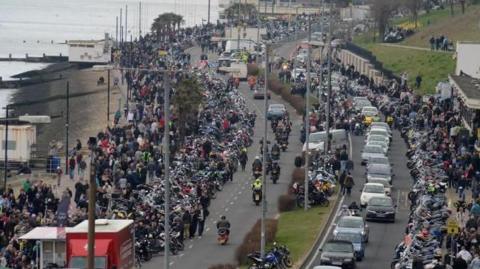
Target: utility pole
91, 207
264, 167
321, 52
273, 6
67, 122
307, 117
108, 96
329, 63
238, 24
5, 163
139, 20
116, 30
208, 17
121, 23
166, 162
258, 22
126, 20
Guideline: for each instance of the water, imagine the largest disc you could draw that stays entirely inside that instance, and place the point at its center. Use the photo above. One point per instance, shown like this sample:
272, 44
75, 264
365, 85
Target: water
37, 27
8, 69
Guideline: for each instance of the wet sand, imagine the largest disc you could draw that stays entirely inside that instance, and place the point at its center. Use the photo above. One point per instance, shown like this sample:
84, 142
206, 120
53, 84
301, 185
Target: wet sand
88, 107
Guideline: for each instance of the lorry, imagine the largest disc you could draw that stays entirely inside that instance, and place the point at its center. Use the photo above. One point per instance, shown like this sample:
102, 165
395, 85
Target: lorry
114, 244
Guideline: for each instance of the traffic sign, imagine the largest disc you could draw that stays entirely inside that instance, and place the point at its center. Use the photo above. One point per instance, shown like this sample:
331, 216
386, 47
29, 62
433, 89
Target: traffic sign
452, 226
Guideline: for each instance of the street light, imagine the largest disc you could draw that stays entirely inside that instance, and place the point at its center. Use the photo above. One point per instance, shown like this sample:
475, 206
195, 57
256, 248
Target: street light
34, 119
107, 68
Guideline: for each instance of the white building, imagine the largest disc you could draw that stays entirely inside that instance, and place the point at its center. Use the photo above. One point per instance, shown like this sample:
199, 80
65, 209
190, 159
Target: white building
90, 51
468, 58
355, 12
20, 141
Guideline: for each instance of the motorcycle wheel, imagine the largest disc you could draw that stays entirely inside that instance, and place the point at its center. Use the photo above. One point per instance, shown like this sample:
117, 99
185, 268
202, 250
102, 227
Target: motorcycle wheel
147, 256
287, 261
180, 246
325, 203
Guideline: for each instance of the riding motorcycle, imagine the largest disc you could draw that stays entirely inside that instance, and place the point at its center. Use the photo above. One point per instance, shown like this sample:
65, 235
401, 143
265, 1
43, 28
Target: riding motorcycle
284, 146
257, 196
257, 172
222, 238
275, 155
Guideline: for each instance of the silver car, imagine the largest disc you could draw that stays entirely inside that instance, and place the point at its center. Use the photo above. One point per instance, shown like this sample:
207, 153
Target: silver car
371, 151
352, 224
381, 171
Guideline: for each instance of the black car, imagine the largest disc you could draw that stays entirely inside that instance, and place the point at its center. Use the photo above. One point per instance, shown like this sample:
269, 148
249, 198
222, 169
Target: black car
338, 253
380, 208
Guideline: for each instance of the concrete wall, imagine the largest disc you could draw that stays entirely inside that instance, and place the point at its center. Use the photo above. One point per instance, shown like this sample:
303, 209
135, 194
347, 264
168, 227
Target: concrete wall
362, 65
355, 12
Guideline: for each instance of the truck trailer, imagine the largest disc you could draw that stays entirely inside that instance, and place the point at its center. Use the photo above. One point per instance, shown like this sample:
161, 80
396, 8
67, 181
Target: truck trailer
114, 244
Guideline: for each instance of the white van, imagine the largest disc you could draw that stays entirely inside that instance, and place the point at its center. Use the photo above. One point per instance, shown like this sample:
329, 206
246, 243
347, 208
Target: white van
318, 140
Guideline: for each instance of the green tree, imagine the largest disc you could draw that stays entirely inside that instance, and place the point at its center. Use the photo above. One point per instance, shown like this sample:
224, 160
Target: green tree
165, 24
247, 12
186, 100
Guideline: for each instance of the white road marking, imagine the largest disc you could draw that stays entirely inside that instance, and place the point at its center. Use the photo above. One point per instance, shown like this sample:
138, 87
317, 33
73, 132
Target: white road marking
398, 201
232, 203
240, 192
171, 263
324, 239
208, 229
226, 209
191, 246
235, 198
181, 255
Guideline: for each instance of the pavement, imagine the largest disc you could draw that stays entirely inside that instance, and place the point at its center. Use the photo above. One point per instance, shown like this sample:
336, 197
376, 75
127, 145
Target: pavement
414, 48
383, 236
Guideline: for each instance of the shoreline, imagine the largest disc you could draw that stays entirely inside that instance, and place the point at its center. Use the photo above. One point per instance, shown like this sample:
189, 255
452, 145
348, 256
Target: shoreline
88, 107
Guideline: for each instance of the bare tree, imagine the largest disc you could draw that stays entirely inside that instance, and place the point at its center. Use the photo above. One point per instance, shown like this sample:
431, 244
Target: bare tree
451, 8
462, 2
381, 11
413, 6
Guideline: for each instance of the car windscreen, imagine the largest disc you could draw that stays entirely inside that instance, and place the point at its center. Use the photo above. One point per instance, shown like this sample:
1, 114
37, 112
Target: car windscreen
337, 247
379, 169
350, 223
317, 137
376, 160
374, 189
380, 201
373, 149
351, 237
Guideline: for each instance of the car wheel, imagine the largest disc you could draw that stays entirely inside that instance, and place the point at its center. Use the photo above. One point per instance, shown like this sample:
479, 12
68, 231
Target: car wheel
359, 259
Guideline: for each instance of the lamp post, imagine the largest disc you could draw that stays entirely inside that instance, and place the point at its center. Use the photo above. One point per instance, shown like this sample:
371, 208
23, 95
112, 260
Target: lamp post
264, 168
307, 118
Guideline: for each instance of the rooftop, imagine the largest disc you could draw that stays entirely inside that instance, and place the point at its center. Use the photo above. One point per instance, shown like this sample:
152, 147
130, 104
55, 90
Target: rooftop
469, 90
102, 226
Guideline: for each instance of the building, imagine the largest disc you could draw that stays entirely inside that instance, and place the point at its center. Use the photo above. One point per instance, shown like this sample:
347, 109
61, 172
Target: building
90, 51
468, 59
21, 138
355, 13
467, 90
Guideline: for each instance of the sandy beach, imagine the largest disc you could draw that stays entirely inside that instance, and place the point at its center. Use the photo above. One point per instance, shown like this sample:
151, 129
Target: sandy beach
88, 106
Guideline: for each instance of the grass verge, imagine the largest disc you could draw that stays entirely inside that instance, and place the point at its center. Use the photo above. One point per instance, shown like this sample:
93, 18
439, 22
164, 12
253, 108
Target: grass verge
300, 238
431, 66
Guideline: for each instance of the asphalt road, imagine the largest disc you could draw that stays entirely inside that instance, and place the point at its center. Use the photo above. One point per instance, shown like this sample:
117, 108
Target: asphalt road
235, 201
383, 236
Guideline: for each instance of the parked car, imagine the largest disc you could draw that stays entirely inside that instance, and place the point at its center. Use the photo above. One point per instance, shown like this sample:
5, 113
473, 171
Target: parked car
370, 111
371, 190
381, 208
357, 241
377, 137
379, 131
380, 143
379, 160
337, 252
352, 224
382, 171
260, 94
371, 151
384, 182
276, 111
382, 125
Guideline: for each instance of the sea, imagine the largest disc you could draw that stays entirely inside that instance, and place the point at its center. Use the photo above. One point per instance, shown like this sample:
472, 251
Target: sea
37, 27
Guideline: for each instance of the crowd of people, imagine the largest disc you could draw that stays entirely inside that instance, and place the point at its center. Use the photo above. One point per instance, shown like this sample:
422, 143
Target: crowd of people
440, 43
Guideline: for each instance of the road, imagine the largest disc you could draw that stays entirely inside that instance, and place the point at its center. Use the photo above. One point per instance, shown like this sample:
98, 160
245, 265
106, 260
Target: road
235, 201
383, 236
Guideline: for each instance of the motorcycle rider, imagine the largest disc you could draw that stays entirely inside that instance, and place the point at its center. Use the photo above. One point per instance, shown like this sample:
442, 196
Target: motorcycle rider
243, 158
275, 169
275, 150
344, 211
223, 223
257, 164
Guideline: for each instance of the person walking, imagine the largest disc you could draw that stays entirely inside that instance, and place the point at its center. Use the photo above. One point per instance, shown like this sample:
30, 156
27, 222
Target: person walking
202, 217
432, 43
243, 158
193, 224
187, 219
59, 175
341, 181
71, 167
349, 183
